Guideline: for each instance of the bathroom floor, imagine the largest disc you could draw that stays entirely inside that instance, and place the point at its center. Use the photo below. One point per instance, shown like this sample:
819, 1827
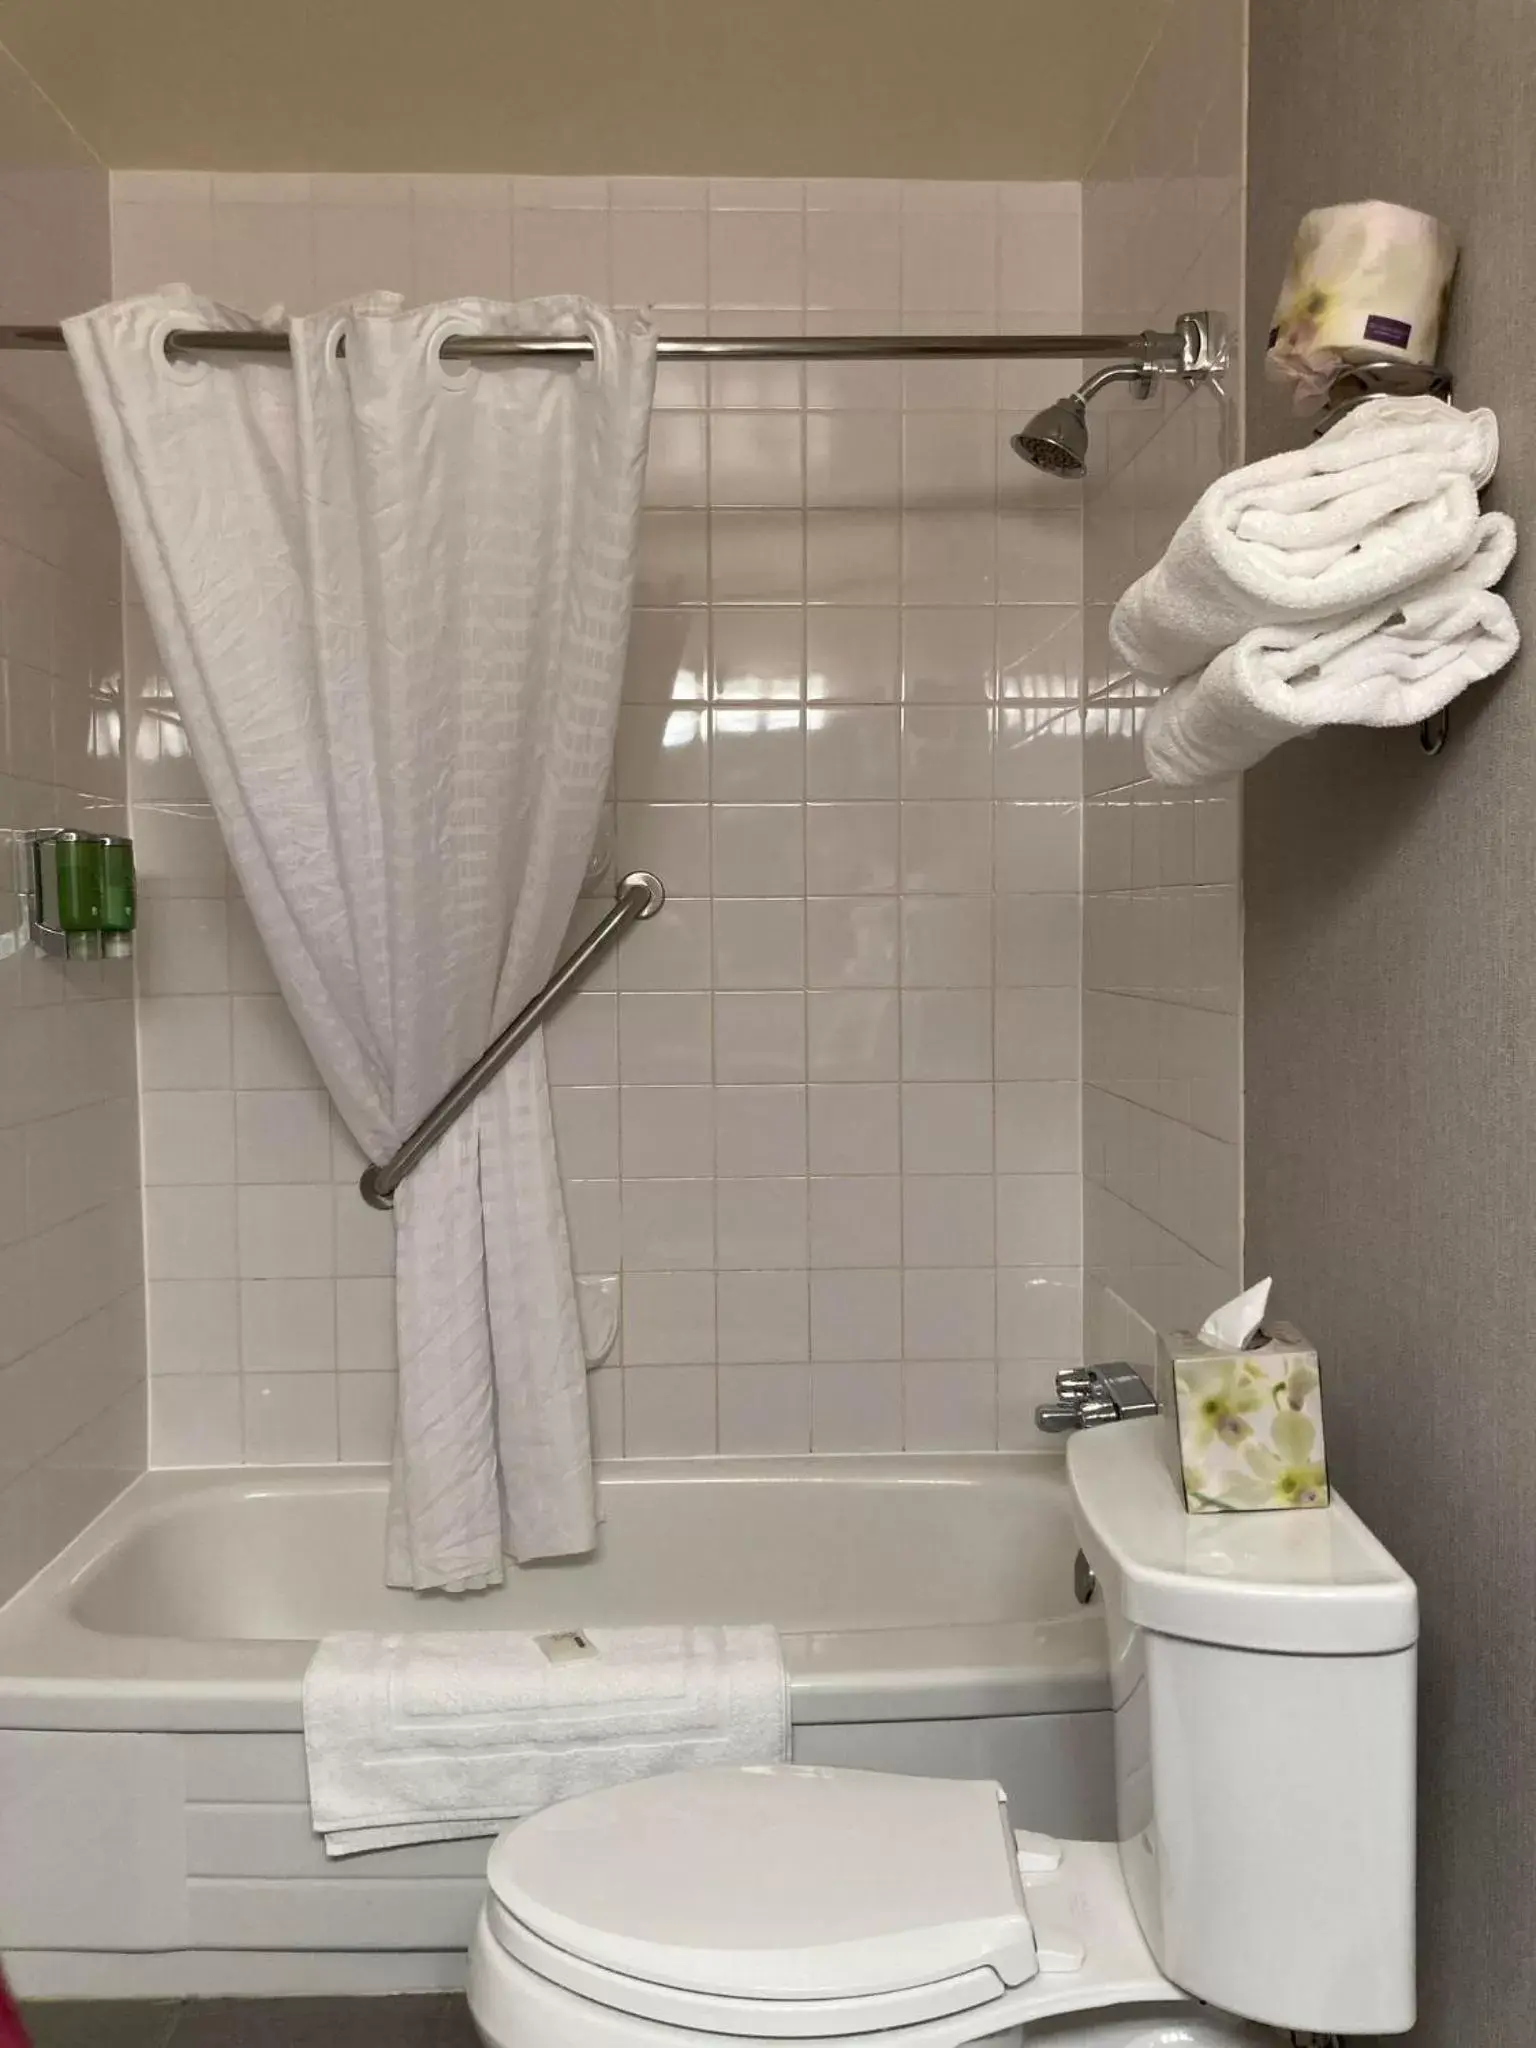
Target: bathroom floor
438, 2021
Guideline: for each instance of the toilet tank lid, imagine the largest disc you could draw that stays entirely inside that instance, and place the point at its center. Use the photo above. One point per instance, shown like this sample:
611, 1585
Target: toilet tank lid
1309, 1581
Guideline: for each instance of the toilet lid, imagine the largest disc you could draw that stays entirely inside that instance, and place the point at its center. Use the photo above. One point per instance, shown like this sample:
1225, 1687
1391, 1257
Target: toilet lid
778, 1882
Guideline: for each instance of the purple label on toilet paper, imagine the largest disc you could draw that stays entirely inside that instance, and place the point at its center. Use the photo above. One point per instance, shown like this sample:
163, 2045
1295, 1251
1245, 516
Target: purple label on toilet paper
1379, 328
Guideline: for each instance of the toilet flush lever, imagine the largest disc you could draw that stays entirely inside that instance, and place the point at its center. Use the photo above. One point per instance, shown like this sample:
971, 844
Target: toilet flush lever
1087, 1395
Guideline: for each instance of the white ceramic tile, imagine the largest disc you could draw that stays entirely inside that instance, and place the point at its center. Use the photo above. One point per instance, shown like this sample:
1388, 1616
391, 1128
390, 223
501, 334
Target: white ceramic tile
851, 848
756, 557
366, 1404
950, 1405
669, 840
759, 944
1037, 1127
756, 459
663, 1037
853, 1035
763, 1317
268, 1051
946, 751
946, 1127
851, 942
853, 656
194, 1326
949, 1313
662, 754
1039, 1311
759, 654
853, 459
855, 1315
290, 1419
196, 1421
946, 942
586, 1132
659, 257
757, 755
1037, 847
668, 1225
1039, 1219
182, 947
581, 1043
852, 557
856, 1406
1038, 1031
757, 260
852, 260
1038, 941
283, 1135
286, 1232
855, 1128
669, 1319
189, 1233
946, 1034
760, 1225
189, 1137
765, 1410
948, 1220
758, 849
365, 1325
856, 1220
852, 751
672, 949
287, 1326
759, 1036
760, 1130
184, 1042
593, 1218
666, 1133
669, 1411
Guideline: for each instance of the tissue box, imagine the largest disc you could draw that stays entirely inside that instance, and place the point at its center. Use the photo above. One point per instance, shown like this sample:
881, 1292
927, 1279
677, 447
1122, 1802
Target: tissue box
1243, 1430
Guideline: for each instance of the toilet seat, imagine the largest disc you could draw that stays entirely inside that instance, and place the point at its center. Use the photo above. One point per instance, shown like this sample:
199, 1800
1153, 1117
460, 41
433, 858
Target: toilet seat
781, 1901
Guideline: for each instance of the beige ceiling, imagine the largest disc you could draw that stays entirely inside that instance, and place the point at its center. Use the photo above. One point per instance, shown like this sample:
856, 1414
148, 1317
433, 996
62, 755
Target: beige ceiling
872, 88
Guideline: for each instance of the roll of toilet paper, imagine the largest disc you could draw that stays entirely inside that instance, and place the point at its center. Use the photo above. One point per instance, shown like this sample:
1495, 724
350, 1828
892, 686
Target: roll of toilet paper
1365, 280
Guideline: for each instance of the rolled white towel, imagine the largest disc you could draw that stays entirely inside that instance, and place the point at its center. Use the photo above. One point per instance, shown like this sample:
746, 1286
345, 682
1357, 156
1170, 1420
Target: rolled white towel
1393, 664
1385, 500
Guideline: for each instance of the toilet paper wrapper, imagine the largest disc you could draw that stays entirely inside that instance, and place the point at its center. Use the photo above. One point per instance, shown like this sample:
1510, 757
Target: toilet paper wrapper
1243, 1425
1365, 281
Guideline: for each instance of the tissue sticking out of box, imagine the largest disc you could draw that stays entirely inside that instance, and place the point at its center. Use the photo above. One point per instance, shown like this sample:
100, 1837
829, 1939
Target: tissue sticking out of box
1237, 1323
1241, 1412
1365, 281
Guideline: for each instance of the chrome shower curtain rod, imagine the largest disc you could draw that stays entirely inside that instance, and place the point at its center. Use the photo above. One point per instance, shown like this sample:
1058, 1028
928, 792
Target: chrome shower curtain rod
1148, 346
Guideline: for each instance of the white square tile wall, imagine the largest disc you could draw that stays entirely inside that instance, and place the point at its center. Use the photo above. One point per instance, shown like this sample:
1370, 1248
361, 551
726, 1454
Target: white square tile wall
823, 1112
1162, 960
72, 1427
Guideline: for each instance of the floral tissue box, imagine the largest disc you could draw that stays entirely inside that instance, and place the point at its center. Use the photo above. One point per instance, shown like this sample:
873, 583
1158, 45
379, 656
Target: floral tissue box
1243, 1430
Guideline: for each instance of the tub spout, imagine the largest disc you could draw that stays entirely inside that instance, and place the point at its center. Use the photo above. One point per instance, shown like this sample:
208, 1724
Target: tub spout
1091, 1394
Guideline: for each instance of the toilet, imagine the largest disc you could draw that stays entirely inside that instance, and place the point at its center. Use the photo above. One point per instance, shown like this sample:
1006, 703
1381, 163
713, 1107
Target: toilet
1262, 1679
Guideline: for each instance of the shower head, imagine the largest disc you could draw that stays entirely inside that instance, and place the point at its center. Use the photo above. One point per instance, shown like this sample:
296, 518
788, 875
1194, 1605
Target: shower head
1056, 440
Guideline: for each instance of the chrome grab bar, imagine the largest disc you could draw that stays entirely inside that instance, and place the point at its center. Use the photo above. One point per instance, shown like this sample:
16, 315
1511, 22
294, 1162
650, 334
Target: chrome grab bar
638, 896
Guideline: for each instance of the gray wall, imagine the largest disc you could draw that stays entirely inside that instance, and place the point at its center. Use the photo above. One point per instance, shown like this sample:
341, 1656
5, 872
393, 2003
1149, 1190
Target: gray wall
1391, 992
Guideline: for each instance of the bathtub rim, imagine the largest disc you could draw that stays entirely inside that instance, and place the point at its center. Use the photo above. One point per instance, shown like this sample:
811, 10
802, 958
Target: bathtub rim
55, 1672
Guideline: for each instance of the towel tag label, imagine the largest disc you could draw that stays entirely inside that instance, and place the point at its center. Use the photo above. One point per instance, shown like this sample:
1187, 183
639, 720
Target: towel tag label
1379, 327
565, 1644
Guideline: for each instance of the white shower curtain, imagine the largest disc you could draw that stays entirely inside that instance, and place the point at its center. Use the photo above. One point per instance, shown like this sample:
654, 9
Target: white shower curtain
392, 594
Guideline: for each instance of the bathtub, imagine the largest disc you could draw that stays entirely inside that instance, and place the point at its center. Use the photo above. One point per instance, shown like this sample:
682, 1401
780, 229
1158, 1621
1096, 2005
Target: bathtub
154, 1826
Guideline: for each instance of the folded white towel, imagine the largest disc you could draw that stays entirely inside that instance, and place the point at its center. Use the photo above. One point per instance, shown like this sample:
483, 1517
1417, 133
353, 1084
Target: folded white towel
1393, 664
429, 1738
1386, 499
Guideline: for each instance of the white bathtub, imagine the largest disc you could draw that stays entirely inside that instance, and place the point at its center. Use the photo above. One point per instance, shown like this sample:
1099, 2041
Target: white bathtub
154, 1827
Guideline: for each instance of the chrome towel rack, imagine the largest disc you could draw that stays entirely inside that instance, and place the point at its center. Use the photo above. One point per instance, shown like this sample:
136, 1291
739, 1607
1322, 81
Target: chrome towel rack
639, 896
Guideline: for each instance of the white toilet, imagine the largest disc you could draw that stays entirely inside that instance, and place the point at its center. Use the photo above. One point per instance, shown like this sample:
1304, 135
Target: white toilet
1263, 1672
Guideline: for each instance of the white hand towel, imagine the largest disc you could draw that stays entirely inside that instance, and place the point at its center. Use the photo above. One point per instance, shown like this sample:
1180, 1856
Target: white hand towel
1394, 664
434, 1737
1386, 499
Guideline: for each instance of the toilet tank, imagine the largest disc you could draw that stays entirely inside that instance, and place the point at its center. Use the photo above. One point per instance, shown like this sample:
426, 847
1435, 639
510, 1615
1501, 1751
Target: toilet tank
1263, 1672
